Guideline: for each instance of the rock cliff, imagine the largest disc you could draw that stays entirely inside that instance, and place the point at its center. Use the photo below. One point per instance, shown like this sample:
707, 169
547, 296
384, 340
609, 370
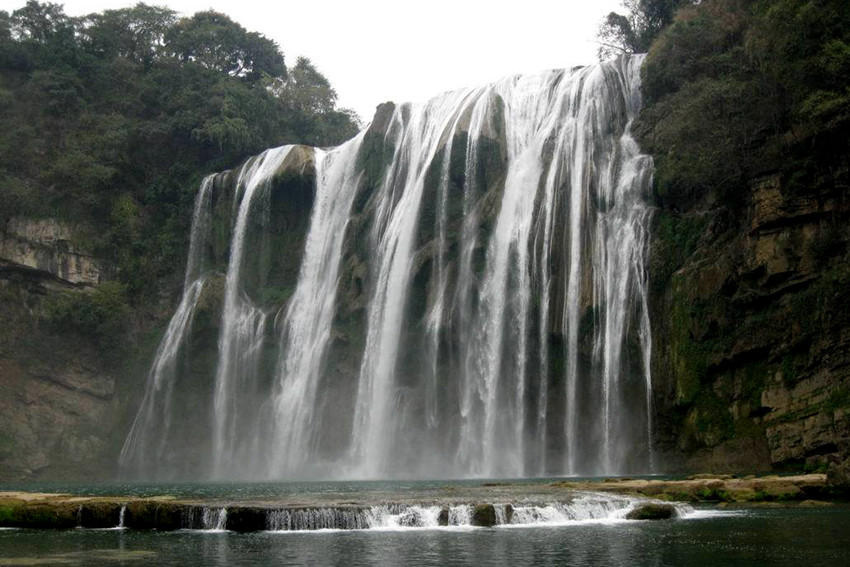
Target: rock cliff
751, 321
57, 396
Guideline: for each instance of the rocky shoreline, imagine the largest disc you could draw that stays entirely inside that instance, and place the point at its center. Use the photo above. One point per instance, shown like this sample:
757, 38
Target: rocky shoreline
486, 505
712, 488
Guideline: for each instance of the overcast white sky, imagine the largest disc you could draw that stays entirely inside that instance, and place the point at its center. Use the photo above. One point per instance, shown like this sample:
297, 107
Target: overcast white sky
378, 50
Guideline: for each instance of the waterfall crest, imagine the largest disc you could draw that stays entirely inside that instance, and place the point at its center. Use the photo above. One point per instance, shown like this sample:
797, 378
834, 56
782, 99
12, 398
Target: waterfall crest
458, 291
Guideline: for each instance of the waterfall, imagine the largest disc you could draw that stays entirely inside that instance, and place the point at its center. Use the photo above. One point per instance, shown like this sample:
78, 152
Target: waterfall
307, 325
417, 138
242, 327
150, 432
462, 294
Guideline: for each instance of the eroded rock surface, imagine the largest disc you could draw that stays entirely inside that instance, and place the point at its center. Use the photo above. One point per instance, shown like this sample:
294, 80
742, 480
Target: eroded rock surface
752, 331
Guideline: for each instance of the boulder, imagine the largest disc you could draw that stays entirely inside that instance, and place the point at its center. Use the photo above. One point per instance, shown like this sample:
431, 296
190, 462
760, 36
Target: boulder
99, 514
484, 515
838, 475
652, 511
154, 515
443, 517
245, 519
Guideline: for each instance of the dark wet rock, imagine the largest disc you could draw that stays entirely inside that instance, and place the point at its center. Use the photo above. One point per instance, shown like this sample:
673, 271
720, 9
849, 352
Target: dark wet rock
484, 515
99, 515
749, 324
243, 519
40, 516
652, 511
838, 475
443, 517
152, 515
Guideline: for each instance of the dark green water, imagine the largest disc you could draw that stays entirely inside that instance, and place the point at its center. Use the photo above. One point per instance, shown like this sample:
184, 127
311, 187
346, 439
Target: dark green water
760, 536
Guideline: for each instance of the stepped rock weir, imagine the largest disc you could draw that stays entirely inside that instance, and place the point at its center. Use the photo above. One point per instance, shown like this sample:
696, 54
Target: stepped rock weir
428, 509
458, 291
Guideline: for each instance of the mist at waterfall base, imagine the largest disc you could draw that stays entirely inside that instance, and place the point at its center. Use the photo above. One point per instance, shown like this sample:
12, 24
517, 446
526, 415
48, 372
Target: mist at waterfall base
457, 292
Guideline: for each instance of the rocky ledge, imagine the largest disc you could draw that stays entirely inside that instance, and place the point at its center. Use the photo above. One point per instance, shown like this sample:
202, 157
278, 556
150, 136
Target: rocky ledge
724, 488
488, 505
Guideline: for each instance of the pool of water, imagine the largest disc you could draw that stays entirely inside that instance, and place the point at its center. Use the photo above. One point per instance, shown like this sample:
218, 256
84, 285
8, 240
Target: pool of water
757, 536
235, 491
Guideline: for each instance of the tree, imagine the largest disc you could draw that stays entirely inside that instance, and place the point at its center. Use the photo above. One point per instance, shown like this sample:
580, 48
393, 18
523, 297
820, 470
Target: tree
306, 90
804, 46
136, 33
5, 27
635, 31
217, 42
735, 88
310, 103
40, 22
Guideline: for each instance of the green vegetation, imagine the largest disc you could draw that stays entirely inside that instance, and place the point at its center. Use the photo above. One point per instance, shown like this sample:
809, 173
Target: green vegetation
112, 119
102, 314
735, 88
714, 495
838, 399
713, 422
676, 238
634, 31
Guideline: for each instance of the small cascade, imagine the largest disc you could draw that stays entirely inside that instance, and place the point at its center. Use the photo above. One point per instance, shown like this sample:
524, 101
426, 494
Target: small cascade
215, 519
460, 515
584, 508
319, 519
205, 518
375, 517
121, 514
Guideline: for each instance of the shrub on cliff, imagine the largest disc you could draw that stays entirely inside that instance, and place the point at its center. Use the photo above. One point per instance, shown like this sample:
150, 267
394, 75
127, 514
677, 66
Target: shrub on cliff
103, 314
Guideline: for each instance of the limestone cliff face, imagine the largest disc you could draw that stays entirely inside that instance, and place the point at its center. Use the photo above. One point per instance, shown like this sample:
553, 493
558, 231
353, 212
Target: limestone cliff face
47, 246
752, 331
58, 400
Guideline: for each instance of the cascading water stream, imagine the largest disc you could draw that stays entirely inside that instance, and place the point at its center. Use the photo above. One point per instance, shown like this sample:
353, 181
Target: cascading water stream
471, 296
243, 324
308, 316
417, 142
149, 433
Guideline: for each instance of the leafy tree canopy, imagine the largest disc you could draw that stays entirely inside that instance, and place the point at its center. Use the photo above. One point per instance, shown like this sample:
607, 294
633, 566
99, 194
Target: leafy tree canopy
136, 34
217, 42
634, 31
113, 118
737, 88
